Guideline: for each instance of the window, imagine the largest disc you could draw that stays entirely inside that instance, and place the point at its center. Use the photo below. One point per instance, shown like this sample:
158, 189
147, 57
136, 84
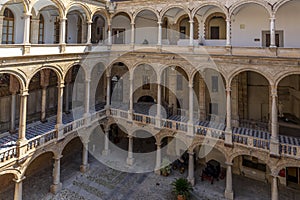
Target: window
8, 27
266, 38
56, 30
215, 83
146, 83
213, 108
41, 29
253, 163
179, 82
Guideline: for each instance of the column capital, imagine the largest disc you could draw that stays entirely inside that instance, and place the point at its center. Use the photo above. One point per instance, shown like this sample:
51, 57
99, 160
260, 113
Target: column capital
191, 85
159, 23
63, 19
130, 136
158, 144
274, 175
228, 89
228, 164
132, 23
19, 179
228, 20
191, 21
61, 85
24, 93
89, 22
57, 157
27, 15
273, 93
191, 152
272, 18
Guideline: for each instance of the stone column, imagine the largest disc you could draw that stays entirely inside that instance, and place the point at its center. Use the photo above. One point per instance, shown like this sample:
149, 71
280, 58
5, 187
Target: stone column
159, 39
18, 188
14, 87
191, 33
59, 123
274, 189
57, 185
23, 112
1, 27
106, 150
132, 33
159, 104
130, 158
228, 32
191, 177
34, 32
85, 153
131, 111
108, 92
158, 158
235, 102
26, 28
191, 110
202, 107
43, 104
228, 190
228, 131
89, 32
13, 113
274, 145
45, 76
272, 32
62, 36
87, 100
109, 35
68, 80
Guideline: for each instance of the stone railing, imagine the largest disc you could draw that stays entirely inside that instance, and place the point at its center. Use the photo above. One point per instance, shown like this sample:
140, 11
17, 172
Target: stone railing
290, 150
210, 48
10, 154
41, 140
250, 141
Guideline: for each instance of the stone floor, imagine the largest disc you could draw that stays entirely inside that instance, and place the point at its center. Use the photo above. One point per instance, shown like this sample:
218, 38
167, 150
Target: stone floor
102, 182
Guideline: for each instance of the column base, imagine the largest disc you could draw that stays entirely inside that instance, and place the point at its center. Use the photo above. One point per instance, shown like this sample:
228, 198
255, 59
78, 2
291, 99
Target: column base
228, 195
190, 130
130, 161
157, 171
105, 152
87, 120
107, 110
228, 138
60, 131
192, 181
274, 149
84, 168
55, 188
157, 122
44, 120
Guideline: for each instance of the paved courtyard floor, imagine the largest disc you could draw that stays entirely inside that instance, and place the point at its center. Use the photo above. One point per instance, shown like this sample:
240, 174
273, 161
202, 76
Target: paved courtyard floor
102, 182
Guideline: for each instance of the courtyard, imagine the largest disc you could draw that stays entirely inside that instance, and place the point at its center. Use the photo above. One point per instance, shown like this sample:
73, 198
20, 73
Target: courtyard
103, 182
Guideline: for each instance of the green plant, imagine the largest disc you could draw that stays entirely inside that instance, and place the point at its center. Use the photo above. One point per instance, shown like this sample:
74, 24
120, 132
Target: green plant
166, 168
181, 186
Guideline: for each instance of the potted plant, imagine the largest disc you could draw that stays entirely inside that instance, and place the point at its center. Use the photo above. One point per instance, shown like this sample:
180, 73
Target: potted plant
166, 168
182, 188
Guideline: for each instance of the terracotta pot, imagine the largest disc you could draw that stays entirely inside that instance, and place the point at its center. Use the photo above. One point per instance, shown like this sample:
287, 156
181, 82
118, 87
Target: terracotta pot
181, 197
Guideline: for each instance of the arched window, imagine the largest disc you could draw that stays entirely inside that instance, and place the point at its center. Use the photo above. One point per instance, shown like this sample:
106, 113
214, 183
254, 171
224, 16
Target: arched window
41, 29
98, 29
8, 27
79, 30
215, 27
